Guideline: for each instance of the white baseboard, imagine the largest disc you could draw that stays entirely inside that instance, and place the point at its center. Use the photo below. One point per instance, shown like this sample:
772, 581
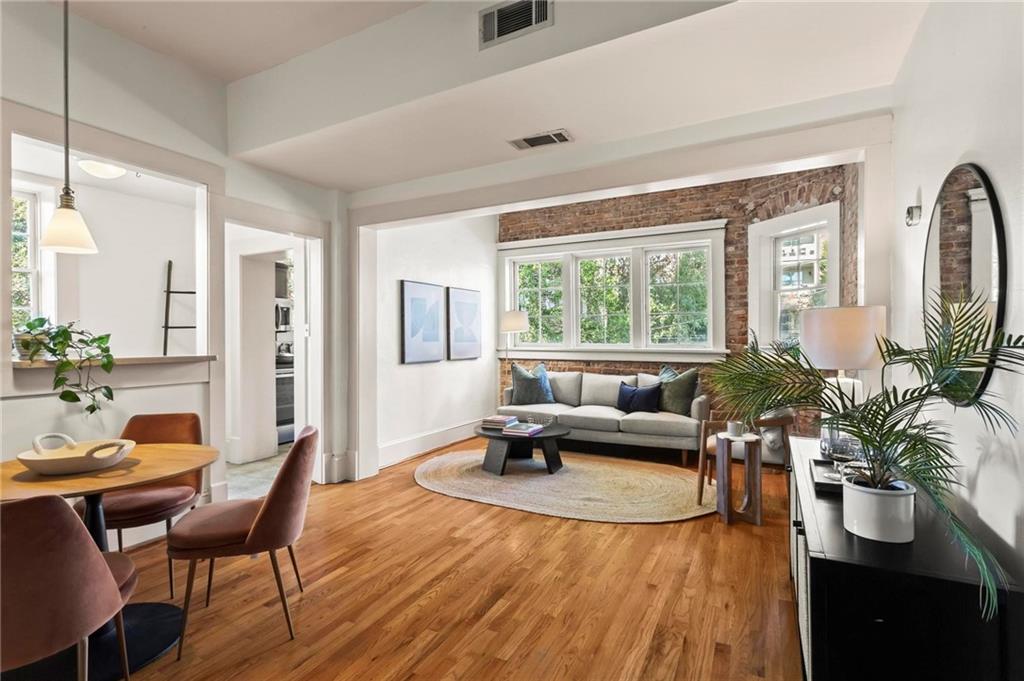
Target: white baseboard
390, 453
219, 491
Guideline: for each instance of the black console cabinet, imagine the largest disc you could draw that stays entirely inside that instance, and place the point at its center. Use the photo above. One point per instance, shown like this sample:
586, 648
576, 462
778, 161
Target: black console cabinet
873, 611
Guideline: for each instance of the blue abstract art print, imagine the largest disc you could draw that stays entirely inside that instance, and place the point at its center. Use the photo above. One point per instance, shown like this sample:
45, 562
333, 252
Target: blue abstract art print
422, 322
464, 323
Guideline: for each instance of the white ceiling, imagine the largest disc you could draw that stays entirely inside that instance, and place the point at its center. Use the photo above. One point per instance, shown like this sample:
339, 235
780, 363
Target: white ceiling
231, 39
731, 61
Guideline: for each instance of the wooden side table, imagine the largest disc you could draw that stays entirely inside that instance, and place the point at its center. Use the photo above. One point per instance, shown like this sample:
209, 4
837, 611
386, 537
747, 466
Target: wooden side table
750, 508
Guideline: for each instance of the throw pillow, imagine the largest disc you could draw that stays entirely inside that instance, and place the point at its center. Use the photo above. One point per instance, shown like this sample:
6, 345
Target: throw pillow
678, 389
531, 387
639, 399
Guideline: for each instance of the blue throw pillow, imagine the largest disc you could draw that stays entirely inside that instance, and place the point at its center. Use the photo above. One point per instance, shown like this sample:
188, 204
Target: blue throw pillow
639, 399
531, 387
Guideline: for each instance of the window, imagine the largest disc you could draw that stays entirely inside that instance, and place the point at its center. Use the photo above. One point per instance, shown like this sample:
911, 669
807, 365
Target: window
539, 294
658, 292
604, 306
794, 266
24, 267
678, 298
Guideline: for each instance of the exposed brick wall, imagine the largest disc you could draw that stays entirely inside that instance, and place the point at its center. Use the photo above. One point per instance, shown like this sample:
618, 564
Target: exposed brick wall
741, 203
955, 233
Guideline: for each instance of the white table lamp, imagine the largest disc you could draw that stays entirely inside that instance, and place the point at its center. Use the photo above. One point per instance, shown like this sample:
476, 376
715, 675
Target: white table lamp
513, 321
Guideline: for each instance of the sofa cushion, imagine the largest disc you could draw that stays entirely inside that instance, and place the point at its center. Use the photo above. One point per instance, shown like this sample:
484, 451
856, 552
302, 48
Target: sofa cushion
638, 399
603, 390
530, 387
678, 389
661, 423
644, 380
592, 417
540, 413
566, 386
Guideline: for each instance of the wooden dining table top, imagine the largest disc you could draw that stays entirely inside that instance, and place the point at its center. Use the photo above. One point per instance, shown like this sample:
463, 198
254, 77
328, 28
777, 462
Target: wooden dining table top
145, 464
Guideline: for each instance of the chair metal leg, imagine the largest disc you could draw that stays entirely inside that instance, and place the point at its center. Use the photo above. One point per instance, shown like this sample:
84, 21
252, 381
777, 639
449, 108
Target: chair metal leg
188, 599
120, 541
280, 590
295, 566
209, 583
83, 659
122, 644
170, 564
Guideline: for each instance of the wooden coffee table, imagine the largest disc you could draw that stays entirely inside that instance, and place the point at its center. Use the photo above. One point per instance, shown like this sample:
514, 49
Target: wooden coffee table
501, 448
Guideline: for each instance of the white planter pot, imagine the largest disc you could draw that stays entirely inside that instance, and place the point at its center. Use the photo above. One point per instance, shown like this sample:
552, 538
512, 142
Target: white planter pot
879, 514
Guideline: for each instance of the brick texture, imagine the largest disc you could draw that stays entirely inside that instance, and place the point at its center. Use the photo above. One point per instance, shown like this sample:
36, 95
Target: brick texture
741, 203
955, 233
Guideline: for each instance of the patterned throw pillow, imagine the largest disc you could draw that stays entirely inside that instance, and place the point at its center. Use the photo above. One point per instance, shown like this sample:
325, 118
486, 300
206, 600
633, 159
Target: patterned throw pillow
678, 389
639, 399
531, 387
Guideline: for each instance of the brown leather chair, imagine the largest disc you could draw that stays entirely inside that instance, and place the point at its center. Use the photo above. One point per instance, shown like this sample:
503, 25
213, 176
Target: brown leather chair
57, 586
148, 504
249, 526
716, 424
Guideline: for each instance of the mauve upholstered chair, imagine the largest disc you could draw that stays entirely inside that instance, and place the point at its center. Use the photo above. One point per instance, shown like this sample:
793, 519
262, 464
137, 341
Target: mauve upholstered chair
249, 526
57, 586
161, 501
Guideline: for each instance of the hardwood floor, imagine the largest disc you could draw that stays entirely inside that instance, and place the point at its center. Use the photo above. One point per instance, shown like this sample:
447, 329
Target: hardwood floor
404, 584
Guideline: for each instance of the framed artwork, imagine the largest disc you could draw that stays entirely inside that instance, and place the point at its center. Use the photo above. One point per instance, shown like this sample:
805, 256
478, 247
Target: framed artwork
464, 323
422, 322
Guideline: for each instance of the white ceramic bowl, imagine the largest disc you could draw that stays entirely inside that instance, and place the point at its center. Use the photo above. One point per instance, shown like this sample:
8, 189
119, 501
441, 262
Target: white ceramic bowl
74, 457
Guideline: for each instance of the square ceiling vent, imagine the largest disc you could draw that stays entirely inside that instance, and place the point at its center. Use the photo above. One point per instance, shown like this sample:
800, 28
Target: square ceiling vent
508, 20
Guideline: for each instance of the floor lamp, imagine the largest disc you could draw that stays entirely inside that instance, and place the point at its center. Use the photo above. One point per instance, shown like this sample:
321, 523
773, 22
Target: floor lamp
513, 321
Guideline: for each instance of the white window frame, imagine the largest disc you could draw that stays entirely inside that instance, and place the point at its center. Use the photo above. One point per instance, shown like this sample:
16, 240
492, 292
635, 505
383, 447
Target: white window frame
646, 295
577, 303
33, 232
637, 244
762, 314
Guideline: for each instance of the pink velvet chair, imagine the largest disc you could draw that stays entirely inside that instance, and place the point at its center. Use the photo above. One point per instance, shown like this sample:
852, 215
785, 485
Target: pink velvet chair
57, 586
249, 526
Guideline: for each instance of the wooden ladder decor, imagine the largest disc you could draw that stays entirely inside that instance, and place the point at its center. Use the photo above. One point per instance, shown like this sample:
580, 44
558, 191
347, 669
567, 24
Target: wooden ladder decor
168, 292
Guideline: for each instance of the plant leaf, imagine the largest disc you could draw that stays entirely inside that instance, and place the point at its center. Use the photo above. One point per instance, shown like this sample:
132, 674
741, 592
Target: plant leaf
69, 396
107, 391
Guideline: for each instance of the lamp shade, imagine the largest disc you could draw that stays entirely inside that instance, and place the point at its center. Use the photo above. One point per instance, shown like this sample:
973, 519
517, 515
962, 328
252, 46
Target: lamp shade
514, 321
67, 233
843, 337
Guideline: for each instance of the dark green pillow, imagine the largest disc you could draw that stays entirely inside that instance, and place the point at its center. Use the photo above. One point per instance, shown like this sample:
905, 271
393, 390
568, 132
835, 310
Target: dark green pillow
531, 387
678, 389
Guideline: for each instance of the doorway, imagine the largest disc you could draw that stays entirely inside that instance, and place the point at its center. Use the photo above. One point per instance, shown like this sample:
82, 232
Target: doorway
273, 352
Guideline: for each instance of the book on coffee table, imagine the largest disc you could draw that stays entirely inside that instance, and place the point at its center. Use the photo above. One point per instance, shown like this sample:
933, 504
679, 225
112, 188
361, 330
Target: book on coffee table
499, 421
522, 429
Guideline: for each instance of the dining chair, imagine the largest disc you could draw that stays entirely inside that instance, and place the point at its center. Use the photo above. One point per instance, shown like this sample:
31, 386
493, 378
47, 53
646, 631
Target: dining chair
148, 504
57, 586
243, 527
774, 432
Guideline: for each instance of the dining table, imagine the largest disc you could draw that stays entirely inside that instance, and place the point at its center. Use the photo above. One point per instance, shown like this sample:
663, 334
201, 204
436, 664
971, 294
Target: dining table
151, 629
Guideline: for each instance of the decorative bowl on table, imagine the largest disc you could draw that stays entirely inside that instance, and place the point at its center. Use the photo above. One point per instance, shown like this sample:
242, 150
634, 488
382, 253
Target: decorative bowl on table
73, 457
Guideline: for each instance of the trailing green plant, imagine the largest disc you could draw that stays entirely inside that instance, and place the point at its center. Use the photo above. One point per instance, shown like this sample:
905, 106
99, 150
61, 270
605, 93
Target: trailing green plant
76, 353
899, 441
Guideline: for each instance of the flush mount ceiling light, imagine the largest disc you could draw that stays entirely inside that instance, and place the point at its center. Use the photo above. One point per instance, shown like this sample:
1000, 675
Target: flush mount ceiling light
104, 171
67, 232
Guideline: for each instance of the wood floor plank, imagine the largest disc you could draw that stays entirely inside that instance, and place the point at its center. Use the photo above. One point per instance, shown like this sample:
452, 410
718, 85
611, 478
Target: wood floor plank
406, 585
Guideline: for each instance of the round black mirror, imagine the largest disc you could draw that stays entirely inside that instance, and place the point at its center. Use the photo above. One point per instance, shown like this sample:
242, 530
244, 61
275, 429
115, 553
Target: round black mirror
965, 256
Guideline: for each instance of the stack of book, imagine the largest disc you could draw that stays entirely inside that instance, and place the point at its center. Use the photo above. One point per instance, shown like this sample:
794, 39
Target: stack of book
522, 429
499, 421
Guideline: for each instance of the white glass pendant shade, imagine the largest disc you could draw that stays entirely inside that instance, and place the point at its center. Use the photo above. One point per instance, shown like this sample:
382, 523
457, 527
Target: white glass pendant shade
67, 233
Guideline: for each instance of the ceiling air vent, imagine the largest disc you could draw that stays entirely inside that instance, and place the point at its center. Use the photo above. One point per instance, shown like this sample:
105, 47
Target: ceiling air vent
508, 20
541, 139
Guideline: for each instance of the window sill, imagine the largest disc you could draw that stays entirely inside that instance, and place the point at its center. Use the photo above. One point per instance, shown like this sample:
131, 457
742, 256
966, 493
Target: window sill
122, 361
683, 355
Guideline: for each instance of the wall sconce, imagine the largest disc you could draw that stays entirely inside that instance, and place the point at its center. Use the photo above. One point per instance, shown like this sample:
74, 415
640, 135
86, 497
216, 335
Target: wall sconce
913, 215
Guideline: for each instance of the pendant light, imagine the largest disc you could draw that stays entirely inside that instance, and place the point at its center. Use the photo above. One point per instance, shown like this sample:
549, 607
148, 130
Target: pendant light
67, 232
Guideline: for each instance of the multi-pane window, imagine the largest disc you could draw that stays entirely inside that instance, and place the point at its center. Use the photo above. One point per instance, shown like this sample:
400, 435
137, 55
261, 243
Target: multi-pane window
678, 310
604, 305
539, 294
800, 278
24, 212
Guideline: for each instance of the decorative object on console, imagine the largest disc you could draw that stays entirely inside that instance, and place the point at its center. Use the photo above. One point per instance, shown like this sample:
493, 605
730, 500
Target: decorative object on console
900, 447
75, 353
633, 399
73, 457
422, 322
531, 387
464, 323
67, 231
512, 322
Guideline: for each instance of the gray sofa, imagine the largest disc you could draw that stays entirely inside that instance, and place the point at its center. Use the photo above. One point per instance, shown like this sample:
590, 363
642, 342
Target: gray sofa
586, 404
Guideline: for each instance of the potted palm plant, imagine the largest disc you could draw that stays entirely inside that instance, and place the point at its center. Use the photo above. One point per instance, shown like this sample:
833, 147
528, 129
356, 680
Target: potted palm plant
905, 452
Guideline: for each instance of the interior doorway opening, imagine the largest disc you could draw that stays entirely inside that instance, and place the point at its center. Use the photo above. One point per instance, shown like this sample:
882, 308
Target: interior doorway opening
273, 351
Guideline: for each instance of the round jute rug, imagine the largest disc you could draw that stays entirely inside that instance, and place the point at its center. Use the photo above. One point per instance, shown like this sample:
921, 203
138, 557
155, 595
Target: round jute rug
586, 488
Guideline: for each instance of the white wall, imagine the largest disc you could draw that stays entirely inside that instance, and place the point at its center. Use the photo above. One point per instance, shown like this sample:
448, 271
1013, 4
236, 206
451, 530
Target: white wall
959, 99
422, 406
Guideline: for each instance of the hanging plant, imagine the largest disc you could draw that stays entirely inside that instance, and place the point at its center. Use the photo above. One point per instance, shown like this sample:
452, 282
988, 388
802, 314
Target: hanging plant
76, 352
